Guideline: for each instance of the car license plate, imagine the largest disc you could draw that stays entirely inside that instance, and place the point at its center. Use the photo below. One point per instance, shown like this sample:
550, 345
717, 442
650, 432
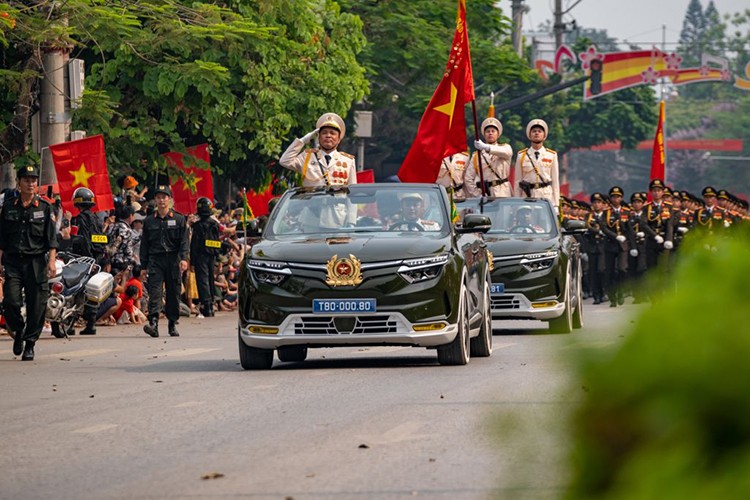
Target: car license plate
343, 306
497, 289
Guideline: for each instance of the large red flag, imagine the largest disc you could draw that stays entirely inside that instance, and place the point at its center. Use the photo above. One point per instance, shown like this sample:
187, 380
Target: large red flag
258, 201
658, 156
196, 183
442, 130
82, 163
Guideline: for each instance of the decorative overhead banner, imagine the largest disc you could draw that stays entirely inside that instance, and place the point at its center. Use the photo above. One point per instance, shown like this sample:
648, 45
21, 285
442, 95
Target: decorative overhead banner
613, 71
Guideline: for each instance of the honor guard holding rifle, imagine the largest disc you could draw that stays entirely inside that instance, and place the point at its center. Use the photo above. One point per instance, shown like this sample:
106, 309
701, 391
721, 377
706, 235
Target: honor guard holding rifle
596, 222
164, 252
712, 218
495, 163
659, 219
640, 230
618, 242
451, 175
326, 165
537, 170
28, 248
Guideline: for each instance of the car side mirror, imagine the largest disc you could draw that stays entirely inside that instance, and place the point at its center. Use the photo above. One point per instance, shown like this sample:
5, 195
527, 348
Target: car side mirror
475, 223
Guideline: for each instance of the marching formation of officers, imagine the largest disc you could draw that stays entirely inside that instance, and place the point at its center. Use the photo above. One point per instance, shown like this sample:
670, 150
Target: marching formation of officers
624, 240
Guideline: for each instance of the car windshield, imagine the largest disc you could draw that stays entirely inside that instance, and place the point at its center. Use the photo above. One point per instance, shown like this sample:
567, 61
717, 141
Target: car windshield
370, 208
513, 216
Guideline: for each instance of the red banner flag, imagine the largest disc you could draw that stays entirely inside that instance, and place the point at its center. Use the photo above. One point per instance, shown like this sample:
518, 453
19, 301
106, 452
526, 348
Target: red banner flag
258, 201
366, 176
82, 163
658, 156
196, 183
442, 130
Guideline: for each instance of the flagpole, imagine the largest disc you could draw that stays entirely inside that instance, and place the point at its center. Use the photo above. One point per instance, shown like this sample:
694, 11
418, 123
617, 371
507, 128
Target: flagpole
479, 153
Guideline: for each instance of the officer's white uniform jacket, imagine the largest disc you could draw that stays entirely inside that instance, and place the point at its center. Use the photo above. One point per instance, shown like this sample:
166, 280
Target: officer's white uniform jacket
495, 168
417, 225
533, 170
452, 173
341, 170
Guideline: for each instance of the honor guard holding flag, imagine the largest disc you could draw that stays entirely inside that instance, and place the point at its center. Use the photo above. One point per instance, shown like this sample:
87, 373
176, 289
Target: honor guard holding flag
28, 248
164, 252
326, 165
537, 172
451, 175
495, 159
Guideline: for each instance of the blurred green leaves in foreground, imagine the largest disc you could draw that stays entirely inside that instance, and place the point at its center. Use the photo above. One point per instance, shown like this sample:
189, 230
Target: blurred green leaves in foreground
667, 415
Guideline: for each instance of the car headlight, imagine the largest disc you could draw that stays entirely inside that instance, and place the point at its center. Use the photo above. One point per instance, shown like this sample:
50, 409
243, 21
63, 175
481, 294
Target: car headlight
539, 261
424, 268
268, 271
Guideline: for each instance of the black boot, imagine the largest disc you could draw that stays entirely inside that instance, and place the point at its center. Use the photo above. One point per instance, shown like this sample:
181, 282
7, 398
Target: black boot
28, 352
90, 328
210, 309
17, 344
153, 326
173, 329
205, 309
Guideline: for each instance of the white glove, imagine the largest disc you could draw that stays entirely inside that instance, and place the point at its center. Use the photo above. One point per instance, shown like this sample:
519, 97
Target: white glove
620, 238
481, 146
659, 240
727, 223
640, 234
668, 245
307, 138
634, 253
682, 230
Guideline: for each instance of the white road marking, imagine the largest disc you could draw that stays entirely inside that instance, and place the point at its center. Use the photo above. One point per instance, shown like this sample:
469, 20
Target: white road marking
95, 428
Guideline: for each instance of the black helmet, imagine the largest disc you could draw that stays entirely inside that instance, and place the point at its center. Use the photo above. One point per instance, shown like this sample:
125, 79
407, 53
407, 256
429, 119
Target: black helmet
83, 198
204, 206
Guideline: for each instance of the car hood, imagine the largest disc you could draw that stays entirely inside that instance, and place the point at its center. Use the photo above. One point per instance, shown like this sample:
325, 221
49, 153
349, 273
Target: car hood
365, 248
500, 246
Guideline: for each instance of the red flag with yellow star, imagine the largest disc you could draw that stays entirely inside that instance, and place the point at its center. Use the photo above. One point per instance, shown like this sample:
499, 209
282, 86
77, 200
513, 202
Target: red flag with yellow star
196, 183
82, 163
442, 130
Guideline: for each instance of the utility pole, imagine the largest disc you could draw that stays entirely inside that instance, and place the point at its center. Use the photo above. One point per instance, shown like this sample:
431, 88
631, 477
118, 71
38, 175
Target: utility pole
53, 118
559, 26
518, 9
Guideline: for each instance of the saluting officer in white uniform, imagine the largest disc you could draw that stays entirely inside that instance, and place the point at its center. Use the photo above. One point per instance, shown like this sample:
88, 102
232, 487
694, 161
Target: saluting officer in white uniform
451, 174
537, 172
324, 166
495, 163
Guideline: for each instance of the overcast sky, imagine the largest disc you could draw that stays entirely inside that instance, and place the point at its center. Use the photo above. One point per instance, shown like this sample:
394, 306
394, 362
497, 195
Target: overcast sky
637, 21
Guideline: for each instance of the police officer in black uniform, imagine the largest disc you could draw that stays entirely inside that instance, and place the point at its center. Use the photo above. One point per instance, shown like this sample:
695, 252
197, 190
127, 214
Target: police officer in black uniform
164, 252
89, 242
28, 248
204, 248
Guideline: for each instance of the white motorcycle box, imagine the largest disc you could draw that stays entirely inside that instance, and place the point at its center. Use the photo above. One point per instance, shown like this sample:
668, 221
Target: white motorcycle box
99, 287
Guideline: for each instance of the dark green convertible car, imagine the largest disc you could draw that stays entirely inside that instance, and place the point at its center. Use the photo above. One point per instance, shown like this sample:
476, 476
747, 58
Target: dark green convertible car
365, 265
536, 271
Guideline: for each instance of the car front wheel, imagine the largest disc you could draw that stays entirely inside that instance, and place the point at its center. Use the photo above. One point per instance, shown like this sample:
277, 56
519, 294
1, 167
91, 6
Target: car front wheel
457, 352
564, 324
252, 358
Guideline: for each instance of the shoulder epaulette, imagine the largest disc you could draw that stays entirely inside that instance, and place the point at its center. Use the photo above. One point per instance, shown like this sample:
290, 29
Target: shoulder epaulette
351, 157
43, 199
311, 150
523, 150
551, 150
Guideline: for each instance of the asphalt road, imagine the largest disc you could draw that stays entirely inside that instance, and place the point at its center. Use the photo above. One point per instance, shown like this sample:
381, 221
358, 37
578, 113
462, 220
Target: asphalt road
122, 415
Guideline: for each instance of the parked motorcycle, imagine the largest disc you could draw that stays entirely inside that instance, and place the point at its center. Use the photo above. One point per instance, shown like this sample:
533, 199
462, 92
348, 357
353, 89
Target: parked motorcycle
78, 285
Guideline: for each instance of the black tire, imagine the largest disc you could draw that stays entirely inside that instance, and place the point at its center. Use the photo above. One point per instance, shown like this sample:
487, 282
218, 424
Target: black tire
292, 353
458, 351
563, 324
578, 312
481, 345
252, 358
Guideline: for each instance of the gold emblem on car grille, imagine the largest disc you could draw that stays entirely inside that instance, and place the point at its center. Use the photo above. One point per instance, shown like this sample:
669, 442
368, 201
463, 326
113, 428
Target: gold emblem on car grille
490, 260
344, 271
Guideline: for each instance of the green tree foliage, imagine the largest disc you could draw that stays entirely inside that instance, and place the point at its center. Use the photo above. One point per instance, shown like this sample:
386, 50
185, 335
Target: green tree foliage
161, 75
692, 37
666, 416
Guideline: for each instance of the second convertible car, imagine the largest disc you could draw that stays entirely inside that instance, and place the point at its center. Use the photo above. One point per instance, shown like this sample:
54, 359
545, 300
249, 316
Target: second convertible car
536, 263
365, 265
